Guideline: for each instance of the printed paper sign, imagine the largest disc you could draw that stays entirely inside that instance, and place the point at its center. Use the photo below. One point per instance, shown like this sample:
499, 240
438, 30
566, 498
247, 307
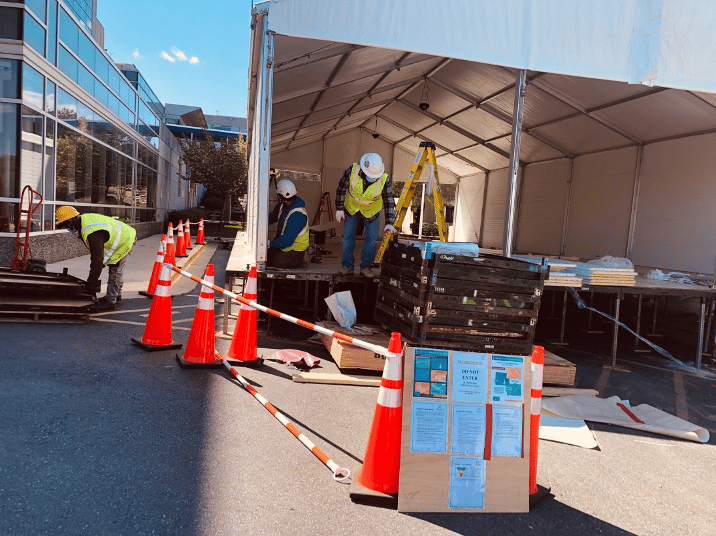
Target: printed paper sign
468, 429
431, 373
469, 377
506, 378
467, 482
428, 426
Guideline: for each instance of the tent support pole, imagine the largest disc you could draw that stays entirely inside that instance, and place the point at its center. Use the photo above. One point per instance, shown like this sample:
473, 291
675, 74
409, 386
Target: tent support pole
567, 201
634, 202
484, 204
514, 163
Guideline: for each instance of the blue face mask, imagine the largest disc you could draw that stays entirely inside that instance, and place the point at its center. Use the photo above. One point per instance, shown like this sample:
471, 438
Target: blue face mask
73, 231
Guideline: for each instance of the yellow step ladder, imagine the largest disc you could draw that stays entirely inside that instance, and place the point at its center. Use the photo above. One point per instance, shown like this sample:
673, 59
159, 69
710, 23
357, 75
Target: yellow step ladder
426, 153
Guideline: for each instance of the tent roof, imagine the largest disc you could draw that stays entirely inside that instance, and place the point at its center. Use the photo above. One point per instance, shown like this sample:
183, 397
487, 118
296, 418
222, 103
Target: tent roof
325, 87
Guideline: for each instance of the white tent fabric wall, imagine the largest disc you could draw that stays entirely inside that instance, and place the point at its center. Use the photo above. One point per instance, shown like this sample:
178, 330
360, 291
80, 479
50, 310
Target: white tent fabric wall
468, 209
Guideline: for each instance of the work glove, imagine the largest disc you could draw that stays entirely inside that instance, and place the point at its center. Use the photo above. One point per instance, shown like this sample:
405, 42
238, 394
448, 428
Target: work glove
340, 216
390, 228
93, 287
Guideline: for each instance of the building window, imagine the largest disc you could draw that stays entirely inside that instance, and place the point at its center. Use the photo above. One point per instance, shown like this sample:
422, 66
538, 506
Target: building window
37, 7
52, 32
32, 87
49, 191
31, 150
50, 98
10, 27
8, 150
9, 77
34, 34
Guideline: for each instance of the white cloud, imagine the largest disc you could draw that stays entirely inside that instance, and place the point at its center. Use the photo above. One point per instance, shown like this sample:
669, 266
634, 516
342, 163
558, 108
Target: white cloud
179, 54
167, 57
194, 60
136, 53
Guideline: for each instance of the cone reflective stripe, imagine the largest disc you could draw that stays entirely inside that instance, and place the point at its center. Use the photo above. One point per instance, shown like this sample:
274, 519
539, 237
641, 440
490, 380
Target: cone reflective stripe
158, 330
381, 463
200, 233
187, 235
200, 346
243, 342
181, 250
537, 375
156, 270
169, 255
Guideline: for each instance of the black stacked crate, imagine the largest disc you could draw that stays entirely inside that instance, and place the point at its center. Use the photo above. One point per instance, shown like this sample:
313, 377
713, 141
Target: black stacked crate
487, 303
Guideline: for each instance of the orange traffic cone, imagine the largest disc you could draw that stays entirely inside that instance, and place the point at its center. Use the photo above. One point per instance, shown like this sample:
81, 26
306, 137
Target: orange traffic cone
155, 271
169, 255
181, 249
537, 492
187, 235
200, 233
377, 479
200, 347
158, 331
243, 344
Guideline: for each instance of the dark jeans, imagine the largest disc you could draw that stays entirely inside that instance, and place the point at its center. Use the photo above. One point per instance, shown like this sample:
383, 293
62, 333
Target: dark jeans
287, 259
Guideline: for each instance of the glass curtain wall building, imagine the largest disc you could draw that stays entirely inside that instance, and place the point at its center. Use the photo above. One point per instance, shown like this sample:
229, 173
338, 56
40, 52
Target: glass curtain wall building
72, 126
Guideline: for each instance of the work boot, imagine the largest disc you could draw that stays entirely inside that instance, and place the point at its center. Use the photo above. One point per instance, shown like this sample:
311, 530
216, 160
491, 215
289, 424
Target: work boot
106, 305
367, 272
345, 271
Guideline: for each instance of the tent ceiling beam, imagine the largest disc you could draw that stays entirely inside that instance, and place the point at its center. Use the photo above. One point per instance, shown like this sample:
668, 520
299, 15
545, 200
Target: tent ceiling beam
315, 57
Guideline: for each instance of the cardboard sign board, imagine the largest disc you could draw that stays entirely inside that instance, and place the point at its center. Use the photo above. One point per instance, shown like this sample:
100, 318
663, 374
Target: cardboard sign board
465, 435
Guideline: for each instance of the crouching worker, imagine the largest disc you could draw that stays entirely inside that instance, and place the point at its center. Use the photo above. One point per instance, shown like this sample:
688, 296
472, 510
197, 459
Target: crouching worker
110, 241
288, 248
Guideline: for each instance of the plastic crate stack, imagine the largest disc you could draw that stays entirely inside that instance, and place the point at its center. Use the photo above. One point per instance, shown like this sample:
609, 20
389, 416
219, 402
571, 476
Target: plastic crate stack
486, 303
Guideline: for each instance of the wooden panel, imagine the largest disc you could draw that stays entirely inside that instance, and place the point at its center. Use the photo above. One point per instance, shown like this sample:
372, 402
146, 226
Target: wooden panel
425, 477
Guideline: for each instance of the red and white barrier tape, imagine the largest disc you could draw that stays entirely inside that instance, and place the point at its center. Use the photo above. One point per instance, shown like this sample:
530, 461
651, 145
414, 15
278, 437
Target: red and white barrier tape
320, 329
339, 473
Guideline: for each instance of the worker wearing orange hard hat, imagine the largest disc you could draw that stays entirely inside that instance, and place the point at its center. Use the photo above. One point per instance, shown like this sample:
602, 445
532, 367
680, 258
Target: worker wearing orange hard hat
110, 241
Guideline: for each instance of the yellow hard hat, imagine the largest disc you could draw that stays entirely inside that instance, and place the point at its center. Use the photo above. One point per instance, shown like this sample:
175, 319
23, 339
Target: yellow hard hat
65, 213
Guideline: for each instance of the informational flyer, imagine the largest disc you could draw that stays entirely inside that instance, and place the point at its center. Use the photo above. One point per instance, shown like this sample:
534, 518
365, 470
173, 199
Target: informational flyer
428, 426
431, 373
506, 378
467, 482
469, 377
468, 429
507, 429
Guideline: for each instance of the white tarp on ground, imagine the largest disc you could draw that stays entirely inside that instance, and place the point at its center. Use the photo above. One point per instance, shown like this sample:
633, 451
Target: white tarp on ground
613, 411
669, 43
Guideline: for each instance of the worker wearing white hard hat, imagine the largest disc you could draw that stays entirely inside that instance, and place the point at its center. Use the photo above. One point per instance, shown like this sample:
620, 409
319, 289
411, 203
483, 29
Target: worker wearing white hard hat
288, 247
363, 191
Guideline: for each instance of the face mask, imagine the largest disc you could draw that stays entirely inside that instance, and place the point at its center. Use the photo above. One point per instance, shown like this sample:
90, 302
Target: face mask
73, 231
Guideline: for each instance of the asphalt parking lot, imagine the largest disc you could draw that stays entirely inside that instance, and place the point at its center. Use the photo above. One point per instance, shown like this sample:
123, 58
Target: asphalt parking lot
100, 437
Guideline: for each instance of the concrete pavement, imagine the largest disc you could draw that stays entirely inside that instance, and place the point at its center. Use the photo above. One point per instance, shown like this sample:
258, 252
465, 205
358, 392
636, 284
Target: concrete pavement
99, 437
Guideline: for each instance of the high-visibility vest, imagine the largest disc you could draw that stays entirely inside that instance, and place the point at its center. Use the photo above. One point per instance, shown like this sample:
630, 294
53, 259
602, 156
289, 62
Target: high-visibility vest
301, 242
368, 202
121, 235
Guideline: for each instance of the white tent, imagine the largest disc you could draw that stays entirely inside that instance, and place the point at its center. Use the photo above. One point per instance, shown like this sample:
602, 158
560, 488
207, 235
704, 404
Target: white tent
614, 119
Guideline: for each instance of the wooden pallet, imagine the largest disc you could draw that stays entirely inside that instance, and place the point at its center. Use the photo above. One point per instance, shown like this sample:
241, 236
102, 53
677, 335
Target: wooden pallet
557, 370
42, 317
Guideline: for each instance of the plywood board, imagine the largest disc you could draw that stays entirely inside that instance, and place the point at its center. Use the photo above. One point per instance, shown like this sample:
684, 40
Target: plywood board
425, 477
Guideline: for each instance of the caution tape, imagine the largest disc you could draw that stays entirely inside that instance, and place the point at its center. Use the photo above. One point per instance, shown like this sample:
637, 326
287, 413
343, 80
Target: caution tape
339, 473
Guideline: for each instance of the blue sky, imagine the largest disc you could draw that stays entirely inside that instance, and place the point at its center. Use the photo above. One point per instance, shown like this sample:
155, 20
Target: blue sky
193, 52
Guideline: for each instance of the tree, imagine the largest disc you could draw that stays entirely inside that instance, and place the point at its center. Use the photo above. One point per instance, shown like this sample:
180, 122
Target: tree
220, 165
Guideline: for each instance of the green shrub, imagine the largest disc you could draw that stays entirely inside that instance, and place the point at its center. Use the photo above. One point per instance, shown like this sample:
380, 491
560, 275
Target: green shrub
194, 215
430, 229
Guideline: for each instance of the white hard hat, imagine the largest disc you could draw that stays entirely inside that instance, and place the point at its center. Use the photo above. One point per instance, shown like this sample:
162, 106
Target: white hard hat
285, 188
372, 165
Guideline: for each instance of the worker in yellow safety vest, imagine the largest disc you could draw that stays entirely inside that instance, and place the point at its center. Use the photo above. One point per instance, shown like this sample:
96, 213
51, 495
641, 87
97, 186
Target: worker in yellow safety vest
110, 241
288, 248
363, 191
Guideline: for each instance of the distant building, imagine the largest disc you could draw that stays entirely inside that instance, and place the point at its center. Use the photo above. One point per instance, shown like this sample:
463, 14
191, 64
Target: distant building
77, 128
